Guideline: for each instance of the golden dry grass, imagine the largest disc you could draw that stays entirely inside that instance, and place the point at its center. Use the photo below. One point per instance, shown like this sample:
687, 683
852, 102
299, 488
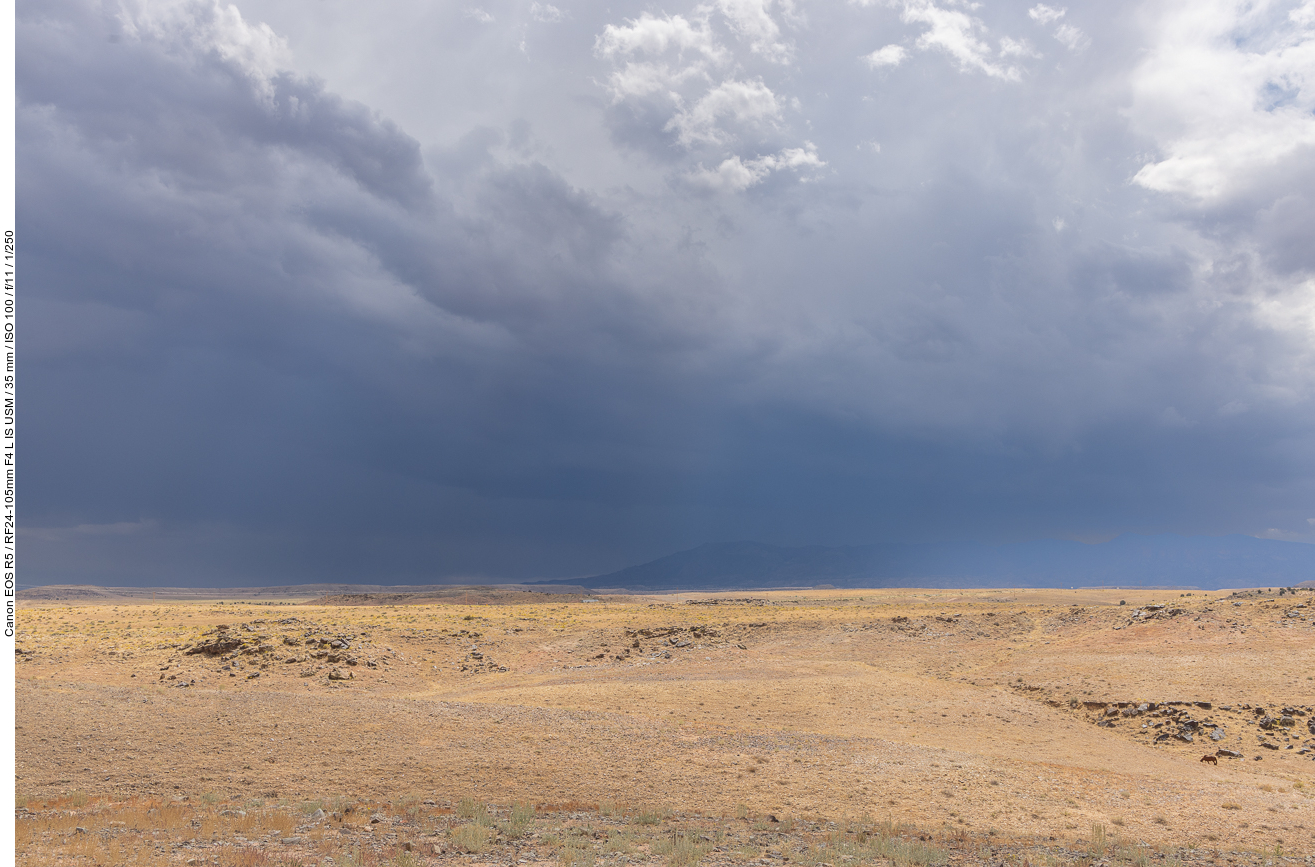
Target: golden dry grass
961, 710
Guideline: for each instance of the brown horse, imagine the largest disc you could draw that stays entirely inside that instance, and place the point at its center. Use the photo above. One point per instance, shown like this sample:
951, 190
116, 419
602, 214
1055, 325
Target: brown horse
1211, 759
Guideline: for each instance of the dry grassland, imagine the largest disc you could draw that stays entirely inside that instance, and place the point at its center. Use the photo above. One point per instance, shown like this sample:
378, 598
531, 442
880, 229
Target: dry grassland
820, 727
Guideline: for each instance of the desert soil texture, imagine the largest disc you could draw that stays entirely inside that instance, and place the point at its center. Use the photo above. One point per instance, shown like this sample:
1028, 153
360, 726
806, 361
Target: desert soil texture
838, 727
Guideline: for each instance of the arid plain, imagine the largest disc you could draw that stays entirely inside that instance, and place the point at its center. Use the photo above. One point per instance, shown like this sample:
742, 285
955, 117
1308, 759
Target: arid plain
983, 723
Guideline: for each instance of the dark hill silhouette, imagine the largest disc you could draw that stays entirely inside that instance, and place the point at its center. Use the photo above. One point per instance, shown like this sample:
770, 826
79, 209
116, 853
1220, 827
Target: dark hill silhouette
1206, 562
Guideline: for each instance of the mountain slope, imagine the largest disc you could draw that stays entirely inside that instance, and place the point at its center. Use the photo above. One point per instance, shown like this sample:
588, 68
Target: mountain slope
1192, 561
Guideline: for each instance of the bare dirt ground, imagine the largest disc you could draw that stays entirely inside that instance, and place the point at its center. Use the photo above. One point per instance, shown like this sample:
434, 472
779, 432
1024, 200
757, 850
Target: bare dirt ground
1038, 726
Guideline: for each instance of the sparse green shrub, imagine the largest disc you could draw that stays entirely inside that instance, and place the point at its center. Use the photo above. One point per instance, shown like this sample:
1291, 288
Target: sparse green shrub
680, 849
576, 853
410, 805
469, 808
908, 852
651, 815
520, 822
472, 837
1098, 840
620, 842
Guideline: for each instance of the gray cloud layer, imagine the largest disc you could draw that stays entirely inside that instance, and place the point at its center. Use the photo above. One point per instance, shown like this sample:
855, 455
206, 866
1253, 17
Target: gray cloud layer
522, 290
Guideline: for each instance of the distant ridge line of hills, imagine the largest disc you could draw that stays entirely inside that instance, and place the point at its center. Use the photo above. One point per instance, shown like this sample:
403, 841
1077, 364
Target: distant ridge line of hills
1152, 562
335, 592
1130, 560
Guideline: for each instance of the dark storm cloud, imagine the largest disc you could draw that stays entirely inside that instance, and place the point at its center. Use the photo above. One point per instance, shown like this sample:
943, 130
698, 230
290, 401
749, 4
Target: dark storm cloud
747, 290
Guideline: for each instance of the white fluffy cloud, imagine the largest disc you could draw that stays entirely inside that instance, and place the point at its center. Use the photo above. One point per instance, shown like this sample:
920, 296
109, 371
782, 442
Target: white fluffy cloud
890, 55
697, 75
653, 35
204, 26
752, 21
1043, 14
741, 103
959, 35
546, 13
660, 55
1068, 35
1227, 92
737, 175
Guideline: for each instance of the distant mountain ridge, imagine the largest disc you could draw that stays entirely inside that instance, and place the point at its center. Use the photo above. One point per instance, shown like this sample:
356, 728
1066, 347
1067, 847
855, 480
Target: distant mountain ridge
1205, 562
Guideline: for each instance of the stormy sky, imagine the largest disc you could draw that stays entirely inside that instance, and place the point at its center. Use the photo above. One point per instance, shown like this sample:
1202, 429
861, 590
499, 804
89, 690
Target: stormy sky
409, 291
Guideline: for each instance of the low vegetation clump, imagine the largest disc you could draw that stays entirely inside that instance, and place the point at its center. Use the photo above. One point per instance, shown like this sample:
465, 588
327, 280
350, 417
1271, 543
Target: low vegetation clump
471, 838
680, 849
414, 831
519, 823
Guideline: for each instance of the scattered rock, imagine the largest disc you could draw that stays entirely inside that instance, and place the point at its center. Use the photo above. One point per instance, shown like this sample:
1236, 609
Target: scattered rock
1232, 754
222, 643
339, 674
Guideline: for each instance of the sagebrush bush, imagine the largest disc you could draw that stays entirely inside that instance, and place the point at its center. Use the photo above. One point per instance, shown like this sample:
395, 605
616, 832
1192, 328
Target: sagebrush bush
472, 838
680, 849
520, 821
